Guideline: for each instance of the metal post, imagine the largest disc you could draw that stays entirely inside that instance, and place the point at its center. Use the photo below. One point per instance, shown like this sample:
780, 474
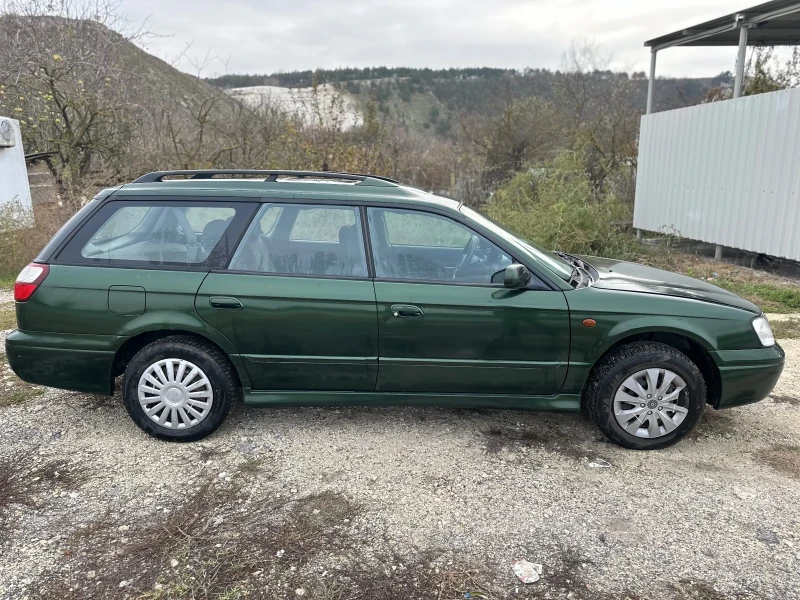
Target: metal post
651, 88
737, 83
651, 83
737, 88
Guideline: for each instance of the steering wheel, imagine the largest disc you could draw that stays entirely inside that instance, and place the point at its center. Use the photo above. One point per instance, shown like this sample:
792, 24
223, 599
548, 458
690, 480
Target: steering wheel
469, 252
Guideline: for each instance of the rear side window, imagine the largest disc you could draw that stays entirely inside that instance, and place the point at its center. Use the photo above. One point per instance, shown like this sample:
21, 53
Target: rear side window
303, 240
177, 234
321, 224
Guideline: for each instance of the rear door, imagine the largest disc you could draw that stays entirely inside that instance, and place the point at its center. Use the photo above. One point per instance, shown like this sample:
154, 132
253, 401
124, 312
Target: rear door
297, 300
445, 327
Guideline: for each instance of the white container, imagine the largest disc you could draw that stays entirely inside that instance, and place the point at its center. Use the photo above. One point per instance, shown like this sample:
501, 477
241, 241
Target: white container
15, 193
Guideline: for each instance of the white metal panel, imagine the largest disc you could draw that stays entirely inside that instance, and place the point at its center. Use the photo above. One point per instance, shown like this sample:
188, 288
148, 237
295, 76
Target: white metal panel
13, 174
726, 173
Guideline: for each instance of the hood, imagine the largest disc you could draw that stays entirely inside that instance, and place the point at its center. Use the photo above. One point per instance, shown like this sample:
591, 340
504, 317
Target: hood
633, 277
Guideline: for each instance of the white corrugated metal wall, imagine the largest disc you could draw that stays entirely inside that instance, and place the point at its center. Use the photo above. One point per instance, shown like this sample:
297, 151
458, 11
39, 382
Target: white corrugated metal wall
726, 173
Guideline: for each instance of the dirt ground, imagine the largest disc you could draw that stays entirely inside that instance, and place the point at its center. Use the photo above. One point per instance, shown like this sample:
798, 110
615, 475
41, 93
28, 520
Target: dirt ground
395, 503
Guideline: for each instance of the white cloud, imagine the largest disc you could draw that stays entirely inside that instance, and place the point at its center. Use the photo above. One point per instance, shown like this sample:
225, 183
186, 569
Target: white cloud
261, 36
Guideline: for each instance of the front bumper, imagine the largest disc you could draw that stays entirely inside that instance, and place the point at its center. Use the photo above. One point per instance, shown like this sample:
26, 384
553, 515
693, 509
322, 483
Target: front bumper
748, 375
67, 361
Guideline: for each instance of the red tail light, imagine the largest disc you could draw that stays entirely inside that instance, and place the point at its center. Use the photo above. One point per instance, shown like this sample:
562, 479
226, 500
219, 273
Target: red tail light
29, 280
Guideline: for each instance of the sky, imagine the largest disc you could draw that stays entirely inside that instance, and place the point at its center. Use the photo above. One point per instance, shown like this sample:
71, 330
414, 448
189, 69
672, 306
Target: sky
265, 36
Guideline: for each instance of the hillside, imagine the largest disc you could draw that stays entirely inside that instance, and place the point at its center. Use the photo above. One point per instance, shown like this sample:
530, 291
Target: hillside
91, 95
427, 100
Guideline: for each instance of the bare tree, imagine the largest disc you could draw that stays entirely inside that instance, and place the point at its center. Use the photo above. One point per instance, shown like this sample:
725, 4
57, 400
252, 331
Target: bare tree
598, 110
523, 132
67, 71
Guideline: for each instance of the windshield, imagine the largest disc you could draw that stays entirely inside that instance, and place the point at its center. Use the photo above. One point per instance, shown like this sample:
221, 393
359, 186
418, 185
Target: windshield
551, 260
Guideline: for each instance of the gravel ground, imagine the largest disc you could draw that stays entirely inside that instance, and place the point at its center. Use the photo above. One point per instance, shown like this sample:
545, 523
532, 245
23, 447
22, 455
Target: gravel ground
453, 495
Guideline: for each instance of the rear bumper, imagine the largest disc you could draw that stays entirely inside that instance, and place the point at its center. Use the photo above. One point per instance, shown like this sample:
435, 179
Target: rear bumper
66, 361
748, 375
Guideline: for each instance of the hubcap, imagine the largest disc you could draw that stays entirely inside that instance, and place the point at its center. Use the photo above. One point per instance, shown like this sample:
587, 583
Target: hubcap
651, 403
175, 393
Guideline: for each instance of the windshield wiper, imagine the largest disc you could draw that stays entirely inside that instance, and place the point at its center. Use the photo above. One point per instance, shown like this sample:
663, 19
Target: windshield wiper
573, 260
580, 276
567, 258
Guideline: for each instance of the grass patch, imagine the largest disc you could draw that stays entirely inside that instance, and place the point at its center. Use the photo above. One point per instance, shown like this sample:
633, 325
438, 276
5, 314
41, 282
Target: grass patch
770, 297
218, 542
13, 390
784, 459
25, 479
8, 317
700, 590
548, 435
770, 292
790, 400
786, 329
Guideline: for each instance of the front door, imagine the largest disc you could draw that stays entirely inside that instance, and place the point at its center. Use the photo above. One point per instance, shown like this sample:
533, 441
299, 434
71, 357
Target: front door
444, 327
297, 302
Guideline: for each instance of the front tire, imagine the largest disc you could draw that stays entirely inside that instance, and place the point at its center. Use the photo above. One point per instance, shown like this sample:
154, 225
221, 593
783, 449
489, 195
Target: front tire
179, 388
646, 395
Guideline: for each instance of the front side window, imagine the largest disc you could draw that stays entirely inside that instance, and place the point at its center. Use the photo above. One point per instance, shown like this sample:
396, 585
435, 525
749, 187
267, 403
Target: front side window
303, 239
421, 246
142, 233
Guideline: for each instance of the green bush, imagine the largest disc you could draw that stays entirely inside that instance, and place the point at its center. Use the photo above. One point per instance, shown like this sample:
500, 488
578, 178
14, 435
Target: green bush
556, 207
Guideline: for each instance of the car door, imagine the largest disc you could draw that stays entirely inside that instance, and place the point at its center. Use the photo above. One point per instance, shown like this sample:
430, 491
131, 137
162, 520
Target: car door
296, 300
445, 327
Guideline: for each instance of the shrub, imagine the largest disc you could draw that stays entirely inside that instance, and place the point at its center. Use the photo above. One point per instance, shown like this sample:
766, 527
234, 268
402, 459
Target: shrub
555, 207
22, 236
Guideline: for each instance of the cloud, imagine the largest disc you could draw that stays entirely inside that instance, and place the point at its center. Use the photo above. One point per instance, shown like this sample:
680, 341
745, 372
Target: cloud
262, 36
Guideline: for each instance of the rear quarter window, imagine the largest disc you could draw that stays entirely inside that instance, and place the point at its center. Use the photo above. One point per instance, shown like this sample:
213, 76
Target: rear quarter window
159, 233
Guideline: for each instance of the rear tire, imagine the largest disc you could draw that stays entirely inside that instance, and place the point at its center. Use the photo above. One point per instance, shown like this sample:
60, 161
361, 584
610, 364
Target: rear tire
618, 399
179, 388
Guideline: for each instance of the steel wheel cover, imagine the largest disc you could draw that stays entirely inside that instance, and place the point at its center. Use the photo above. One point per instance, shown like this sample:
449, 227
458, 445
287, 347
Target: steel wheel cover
651, 403
175, 393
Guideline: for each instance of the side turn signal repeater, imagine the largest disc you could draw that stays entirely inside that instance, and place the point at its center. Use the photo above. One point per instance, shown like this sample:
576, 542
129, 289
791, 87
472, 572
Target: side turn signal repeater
589, 322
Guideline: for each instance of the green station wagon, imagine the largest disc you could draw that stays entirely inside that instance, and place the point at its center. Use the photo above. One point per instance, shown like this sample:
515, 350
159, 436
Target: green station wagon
284, 288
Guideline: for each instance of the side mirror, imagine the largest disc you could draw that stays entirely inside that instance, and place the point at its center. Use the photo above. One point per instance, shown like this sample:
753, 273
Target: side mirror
516, 276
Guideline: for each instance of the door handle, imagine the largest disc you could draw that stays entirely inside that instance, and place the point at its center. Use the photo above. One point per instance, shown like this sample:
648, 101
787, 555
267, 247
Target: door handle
225, 303
407, 311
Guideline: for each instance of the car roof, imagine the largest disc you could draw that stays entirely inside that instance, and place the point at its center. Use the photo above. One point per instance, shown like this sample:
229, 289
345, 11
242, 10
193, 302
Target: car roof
308, 185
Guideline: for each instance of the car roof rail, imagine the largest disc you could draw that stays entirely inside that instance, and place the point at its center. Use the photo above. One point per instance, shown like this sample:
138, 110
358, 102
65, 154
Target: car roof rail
269, 175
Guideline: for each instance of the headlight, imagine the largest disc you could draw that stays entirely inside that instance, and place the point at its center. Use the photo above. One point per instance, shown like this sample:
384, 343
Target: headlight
763, 331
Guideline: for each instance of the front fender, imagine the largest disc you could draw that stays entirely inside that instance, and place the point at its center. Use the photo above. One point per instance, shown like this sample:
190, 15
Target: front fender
693, 329
589, 344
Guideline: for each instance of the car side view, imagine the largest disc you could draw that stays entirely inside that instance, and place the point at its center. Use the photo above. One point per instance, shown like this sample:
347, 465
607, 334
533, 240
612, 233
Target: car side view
202, 288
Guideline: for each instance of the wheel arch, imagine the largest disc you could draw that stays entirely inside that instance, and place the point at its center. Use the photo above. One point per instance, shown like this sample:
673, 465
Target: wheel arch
135, 343
686, 343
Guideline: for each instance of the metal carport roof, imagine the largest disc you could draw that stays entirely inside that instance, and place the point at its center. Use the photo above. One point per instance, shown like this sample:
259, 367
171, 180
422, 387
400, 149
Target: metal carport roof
774, 23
